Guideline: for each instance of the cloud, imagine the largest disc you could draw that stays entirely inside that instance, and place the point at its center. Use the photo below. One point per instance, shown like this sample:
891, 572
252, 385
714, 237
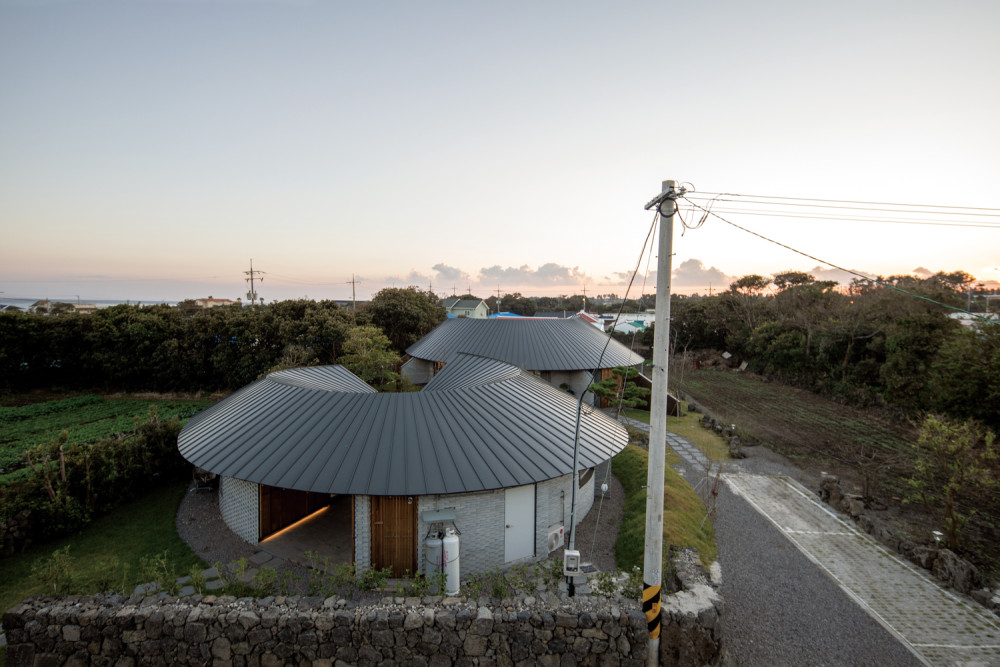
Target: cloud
545, 275
413, 278
837, 275
450, 274
692, 273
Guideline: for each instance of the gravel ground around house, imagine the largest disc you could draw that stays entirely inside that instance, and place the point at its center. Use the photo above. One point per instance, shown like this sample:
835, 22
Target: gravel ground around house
199, 523
596, 534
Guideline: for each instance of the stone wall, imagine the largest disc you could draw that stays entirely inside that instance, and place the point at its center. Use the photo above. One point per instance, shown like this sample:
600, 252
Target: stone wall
112, 630
944, 564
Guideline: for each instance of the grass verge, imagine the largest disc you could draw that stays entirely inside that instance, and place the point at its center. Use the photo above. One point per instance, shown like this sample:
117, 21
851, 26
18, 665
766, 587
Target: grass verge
687, 426
683, 512
122, 539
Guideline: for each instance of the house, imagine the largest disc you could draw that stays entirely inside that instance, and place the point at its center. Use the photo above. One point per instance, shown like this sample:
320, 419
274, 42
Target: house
593, 320
471, 308
486, 448
564, 352
212, 302
47, 307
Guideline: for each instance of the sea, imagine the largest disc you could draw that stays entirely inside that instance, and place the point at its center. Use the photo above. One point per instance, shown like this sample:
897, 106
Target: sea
25, 304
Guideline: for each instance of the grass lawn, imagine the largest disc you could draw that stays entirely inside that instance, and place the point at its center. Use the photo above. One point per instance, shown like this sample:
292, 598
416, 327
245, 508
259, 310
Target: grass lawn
687, 426
683, 512
110, 549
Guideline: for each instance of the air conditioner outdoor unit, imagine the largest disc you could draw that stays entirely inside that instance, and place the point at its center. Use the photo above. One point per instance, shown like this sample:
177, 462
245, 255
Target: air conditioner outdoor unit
555, 540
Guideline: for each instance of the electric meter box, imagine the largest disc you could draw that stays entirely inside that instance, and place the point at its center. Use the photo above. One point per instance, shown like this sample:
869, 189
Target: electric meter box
571, 563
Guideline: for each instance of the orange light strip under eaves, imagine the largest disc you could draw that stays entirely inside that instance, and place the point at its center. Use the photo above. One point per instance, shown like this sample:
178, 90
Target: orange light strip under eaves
295, 525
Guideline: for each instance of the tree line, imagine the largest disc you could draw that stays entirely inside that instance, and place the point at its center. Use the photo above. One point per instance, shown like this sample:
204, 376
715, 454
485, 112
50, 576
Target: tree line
163, 348
890, 342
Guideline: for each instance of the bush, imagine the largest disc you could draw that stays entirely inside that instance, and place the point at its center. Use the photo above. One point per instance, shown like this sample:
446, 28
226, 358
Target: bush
71, 484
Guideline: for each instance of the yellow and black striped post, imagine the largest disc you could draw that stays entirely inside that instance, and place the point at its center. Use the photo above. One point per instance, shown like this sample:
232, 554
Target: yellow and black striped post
651, 608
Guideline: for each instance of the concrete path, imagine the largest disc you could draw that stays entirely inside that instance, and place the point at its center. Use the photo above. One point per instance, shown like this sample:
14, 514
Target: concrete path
937, 626
940, 627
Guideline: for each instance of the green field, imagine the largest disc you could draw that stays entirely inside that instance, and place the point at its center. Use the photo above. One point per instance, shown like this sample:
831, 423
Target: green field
85, 418
794, 421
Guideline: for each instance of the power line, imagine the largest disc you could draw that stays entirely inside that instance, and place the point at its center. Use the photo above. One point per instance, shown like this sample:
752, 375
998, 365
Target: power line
848, 218
698, 195
877, 281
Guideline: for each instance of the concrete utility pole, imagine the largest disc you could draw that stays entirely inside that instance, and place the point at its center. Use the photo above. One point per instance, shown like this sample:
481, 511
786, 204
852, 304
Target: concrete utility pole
251, 274
652, 572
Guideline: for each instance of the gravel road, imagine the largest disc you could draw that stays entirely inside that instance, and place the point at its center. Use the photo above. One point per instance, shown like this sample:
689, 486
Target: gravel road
781, 609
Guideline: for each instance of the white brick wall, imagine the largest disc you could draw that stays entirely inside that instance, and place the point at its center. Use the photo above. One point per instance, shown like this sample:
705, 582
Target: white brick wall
239, 504
362, 532
480, 518
418, 371
578, 381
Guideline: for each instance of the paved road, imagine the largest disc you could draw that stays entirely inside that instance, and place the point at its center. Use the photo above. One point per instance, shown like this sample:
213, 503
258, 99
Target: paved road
803, 586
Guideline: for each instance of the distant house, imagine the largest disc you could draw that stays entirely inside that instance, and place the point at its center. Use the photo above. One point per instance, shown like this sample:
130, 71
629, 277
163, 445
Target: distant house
470, 308
564, 352
212, 302
485, 447
47, 307
591, 319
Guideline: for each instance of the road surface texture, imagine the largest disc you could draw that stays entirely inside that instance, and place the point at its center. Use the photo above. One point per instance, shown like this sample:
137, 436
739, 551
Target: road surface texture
804, 586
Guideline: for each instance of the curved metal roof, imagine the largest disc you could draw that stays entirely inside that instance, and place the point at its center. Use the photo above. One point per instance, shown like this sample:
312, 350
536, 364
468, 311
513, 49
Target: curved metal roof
480, 424
530, 343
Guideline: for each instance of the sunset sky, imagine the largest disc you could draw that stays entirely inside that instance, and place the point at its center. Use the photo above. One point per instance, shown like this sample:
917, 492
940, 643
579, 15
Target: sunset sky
150, 148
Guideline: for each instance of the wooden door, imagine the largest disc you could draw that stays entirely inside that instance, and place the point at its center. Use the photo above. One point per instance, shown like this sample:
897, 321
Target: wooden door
394, 534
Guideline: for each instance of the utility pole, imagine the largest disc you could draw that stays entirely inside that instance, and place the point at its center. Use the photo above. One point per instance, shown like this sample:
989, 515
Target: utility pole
251, 274
498, 299
652, 572
354, 295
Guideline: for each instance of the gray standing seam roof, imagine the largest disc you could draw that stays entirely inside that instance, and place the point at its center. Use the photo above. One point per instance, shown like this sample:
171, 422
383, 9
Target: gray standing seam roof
533, 344
480, 424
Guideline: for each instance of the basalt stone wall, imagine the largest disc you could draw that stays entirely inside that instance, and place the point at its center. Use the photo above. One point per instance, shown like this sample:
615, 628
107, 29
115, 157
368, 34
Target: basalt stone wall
112, 630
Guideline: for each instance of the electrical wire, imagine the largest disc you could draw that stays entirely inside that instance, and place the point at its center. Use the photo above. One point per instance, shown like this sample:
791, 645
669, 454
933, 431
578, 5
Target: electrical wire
853, 210
847, 201
877, 281
299, 281
849, 218
648, 243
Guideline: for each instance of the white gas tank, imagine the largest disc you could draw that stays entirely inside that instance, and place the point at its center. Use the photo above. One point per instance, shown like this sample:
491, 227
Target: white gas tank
450, 560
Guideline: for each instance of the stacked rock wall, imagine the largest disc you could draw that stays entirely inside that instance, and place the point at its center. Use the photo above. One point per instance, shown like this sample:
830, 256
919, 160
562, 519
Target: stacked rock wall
112, 630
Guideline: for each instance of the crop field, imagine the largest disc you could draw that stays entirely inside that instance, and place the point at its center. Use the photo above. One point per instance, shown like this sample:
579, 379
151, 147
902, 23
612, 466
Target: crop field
85, 418
793, 421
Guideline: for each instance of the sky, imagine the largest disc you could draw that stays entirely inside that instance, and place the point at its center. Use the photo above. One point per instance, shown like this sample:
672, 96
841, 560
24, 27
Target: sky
150, 149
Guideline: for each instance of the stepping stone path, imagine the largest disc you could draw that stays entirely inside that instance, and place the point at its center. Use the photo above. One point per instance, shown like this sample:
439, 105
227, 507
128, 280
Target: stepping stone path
213, 578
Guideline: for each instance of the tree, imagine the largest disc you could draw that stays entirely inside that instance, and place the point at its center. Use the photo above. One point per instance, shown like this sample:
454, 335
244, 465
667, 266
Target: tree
369, 355
405, 315
620, 390
517, 304
965, 375
952, 460
745, 299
